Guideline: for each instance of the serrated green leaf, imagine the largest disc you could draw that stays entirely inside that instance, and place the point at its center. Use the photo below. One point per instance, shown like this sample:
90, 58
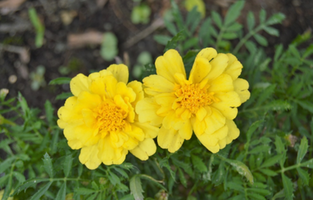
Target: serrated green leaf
250, 20
241, 168
260, 149
93, 196
251, 47
67, 164
121, 172
271, 31
271, 161
6, 164
170, 26
213, 31
204, 32
84, 191
135, 187
114, 179
217, 19
268, 172
260, 39
280, 148
278, 52
262, 16
235, 27
288, 187
190, 43
256, 196
41, 191
307, 105
182, 178
173, 43
308, 52
62, 192
234, 12
20, 177
264, 64
162, 39
275, 19
294, 51
266, 94
234, 186
63, 95
229, 35
302, 149
253, 128
60, 81
304, 175
3, 180
308, 164
47, 164
49, 112
198, 164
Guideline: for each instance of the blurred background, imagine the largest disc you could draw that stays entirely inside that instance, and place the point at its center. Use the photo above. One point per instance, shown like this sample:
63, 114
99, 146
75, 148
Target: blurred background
41, 40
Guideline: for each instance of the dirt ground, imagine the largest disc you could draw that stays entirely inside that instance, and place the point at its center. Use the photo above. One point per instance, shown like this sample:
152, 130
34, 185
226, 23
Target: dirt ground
19, 57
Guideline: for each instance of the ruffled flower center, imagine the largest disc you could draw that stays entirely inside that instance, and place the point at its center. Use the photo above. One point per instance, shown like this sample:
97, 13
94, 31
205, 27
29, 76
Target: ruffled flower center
192, 97
110, 117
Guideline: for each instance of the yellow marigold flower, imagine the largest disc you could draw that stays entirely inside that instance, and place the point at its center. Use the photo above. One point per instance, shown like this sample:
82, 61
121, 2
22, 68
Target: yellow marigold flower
100, 118
206, 103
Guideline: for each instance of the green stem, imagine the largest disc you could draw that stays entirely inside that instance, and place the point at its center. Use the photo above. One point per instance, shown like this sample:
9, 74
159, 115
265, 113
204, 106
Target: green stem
245, 39
289, 168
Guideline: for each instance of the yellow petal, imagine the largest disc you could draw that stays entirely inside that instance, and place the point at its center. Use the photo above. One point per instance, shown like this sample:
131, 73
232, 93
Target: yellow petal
137, 88
241, 87
149, 130
170, 120
89, 157
120, 72
233, 131
131, 143
97, 86
185, 130
88, 100
145, 149
214, 121
125, 92
110, 155
78, 84
201, 113
199, 127
169, 64
136, 132
234, 67
201, 66
169, 139
89, 118
228, 103
146, 110
156, 84
223, 83
219, 63
166, 101
110, 84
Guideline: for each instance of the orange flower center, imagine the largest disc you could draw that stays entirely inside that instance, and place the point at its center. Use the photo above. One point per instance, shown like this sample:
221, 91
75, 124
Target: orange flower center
110, 117
192, 97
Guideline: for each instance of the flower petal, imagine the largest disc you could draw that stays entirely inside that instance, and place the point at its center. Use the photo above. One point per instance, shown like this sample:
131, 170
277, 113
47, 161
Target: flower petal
234, 67
156, 84
233, 131
219, 63
137, 88
78, 84
214, 121
110, 155
202, 66
149, 130
170, 139
145, 149
120, 72
223, 83
185, 130
89, 157
169, 64
241, 87
146, 109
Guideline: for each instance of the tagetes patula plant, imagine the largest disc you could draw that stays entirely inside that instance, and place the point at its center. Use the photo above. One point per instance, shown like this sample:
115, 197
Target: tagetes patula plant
100, 118
205, 104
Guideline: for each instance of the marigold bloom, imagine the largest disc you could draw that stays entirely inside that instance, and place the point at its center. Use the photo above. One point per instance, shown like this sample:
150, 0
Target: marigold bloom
100, 118
206, 103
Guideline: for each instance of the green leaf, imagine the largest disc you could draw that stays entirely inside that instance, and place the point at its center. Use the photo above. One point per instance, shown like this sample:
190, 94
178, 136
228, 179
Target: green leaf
250, 20
266, 94
41, 191
271, 161
308, 164
234, 186
234, 27
182, 178
253, 128
6, 164
40, 29
307, 105
173, 43
275, 19
229, 35
278, 52
121, 172
198, 164
114, 179
260, 39
47, 164
63, 95
262, 16
204, 32
234, 12
217, 19
62, 192
264, 64
67, 164
288, 187
20, 177
304, 175
84, 191
60, 81
3, 180
162, 39
109, 46
271, 31
294, 51
302, 149
280, 148
49, 111
256, 196
170, 27
24, 105
268, 172
135, 187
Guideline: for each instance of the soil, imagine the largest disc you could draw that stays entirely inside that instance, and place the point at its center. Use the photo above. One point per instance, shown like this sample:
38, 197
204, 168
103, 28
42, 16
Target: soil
102, 16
